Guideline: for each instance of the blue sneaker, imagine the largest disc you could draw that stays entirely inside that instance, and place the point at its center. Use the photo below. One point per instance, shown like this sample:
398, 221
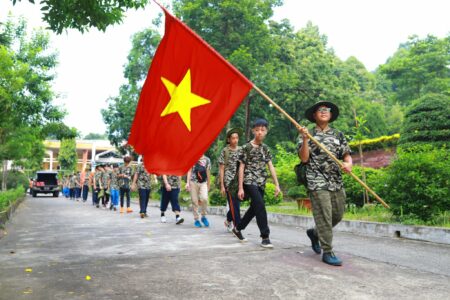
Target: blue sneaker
331, 259
197, 224
205, 221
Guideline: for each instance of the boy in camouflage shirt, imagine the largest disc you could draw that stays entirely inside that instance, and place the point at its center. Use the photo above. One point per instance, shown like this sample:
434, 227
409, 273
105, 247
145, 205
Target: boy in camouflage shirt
324, 180
198, 184
114, 186
141, 179
98, 186
254, 158
228, 164
125, 173
170, 189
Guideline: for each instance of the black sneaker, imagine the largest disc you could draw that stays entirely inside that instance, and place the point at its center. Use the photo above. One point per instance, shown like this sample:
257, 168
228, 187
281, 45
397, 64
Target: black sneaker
265, 243
238, 234
315, 245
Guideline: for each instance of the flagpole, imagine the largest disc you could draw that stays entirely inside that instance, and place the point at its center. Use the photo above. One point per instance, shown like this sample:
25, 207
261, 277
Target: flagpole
340, 164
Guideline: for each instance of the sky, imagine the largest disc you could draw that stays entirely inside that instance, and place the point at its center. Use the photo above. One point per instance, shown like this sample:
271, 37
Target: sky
91, 64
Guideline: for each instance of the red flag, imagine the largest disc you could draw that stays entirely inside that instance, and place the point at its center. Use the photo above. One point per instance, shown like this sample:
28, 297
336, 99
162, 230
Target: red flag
189, 95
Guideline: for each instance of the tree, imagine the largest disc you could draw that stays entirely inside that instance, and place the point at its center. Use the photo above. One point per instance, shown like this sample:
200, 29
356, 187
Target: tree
95, 136
419, 66
26, 73
82, 15
67, 156
427, 121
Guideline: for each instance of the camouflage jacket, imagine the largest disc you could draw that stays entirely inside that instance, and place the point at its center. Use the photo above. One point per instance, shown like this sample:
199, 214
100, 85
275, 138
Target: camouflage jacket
143, 178
173, 181
255, 160
322, 173
72, 183
204, 161
106, 176
125, 182
114, 180
229, 158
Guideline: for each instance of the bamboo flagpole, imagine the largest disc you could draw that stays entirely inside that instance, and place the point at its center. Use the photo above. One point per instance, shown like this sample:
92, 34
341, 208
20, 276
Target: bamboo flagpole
298, 126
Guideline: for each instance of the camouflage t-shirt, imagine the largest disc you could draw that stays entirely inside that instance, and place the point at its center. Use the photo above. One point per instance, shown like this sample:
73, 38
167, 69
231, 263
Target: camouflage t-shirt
143, 179
72, 183
78, 181
98, 178
203, 161
114, 180
173, 181
86, 178
230, 162
255, 160
125, 182
106, 175
322, 173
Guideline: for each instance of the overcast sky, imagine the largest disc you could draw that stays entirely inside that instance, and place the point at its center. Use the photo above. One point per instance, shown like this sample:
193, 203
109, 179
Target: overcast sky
91, 65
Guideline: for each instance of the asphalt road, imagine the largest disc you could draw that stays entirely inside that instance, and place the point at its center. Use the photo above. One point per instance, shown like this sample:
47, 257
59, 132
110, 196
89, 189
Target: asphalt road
53, 244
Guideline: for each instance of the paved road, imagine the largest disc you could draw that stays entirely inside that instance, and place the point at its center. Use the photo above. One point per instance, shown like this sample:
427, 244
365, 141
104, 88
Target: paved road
61, 242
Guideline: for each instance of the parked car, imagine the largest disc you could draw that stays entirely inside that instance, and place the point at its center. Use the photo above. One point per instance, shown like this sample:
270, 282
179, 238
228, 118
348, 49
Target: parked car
45, 182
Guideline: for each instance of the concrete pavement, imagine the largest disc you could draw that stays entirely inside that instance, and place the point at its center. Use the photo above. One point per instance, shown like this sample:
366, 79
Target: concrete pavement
62, 241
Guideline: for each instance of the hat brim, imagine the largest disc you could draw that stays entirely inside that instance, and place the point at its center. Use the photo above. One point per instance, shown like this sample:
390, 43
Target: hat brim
309, 114
239, 131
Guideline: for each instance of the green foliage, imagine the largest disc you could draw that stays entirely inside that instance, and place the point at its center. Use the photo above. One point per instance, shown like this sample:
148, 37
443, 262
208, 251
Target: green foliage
15, 179
381, 142
82, 15
10, 196
216, 199
68, 155
417, 182
297, 191
284, 165
355, 191
427, 121
95, 136
419, 66
269, 195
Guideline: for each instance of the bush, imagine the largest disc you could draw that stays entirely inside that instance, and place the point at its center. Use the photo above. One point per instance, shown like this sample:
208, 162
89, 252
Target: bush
10, 196
355, 191
284, 165
269, 195
15, 179
381, 142
427, 121
417, 182
216, 199
295, 192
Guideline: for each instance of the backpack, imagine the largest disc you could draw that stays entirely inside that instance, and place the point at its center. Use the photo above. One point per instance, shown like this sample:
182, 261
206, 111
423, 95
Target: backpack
200, 173
300, 172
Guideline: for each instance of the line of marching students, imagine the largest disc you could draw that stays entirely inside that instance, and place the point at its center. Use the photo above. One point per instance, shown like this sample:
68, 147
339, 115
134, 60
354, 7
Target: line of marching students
243, 171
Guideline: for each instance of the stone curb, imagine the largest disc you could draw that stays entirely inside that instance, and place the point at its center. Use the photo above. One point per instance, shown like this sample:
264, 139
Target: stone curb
421, 233
7, 214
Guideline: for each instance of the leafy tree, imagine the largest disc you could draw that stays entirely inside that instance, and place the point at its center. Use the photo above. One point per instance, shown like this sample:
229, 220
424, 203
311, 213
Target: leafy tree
427, 121
419, 66
67, 156
95, 136
82, 15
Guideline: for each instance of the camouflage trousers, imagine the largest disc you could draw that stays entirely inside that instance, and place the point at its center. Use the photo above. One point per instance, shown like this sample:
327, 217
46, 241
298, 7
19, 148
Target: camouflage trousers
328, 208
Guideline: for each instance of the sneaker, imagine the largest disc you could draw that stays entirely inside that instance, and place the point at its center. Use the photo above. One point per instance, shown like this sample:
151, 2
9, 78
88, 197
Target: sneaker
163, 219
179, 220
142, 215
129, 210
265, 243
238, 234
331, 259
205, 221
315, 245
111, 207
145, 215
98, 206
228, 226
122, 210
197, 224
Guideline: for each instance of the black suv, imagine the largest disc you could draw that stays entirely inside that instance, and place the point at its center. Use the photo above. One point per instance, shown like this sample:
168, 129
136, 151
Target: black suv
46, 182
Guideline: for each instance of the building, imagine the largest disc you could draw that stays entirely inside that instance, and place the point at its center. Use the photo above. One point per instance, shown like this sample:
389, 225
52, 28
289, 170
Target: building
94, 151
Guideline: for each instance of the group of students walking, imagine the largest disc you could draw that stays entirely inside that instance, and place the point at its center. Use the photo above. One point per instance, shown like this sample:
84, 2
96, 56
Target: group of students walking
243, 171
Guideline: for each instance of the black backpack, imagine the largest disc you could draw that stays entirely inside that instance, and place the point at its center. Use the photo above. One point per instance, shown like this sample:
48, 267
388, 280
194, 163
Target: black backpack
200, 173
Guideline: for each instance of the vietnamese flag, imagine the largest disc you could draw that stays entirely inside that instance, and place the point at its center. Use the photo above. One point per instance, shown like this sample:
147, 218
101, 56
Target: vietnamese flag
189, 95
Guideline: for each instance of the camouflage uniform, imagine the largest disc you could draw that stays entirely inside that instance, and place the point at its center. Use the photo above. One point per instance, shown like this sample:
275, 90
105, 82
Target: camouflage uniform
324, 183
143, 184
230, 159
255, 160
172, 195
114, 185
204, 161
173, 181
199, 191
124, 183
230, 162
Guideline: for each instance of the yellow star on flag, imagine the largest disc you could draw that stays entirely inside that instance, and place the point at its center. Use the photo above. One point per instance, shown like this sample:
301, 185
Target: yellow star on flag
182, 99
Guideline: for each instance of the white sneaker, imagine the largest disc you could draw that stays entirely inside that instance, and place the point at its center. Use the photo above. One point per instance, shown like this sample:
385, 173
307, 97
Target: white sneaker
179, 220
163, 219
228, 226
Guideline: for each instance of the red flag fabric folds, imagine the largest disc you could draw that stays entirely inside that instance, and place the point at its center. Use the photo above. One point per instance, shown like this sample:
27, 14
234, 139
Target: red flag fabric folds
189, 95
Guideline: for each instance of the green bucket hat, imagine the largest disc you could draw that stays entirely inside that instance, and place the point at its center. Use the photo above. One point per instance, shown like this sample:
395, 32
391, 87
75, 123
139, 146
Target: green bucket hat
231, 131
309, 113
